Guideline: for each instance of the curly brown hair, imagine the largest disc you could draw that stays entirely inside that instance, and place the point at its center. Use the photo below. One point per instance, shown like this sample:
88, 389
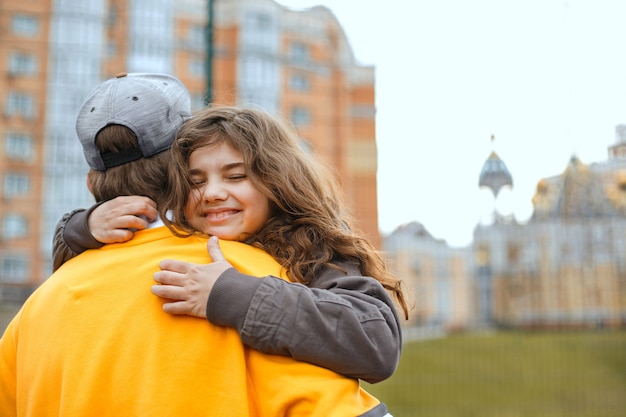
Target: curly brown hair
310, 227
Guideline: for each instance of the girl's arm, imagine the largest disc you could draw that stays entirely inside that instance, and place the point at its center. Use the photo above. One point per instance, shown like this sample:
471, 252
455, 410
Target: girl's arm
342, 321
72, 237
105, 222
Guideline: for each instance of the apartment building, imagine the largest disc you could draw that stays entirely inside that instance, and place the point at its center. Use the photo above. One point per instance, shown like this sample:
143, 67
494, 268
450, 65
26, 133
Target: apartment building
24, 58
297, 64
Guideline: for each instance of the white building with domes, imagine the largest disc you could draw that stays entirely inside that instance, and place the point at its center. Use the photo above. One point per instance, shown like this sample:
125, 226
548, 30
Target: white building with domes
564, 267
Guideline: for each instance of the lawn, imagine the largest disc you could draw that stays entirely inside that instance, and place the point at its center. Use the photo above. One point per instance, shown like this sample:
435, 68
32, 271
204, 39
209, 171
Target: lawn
510, 374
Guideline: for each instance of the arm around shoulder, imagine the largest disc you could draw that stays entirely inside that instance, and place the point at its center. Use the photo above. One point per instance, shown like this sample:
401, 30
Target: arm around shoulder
343, 321
72, 237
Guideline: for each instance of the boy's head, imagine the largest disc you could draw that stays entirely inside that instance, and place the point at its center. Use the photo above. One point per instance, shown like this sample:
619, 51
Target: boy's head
125, 126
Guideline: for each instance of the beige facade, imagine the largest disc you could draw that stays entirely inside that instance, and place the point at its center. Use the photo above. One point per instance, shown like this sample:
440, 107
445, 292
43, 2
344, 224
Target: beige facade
565, 267
296, 64
438, 278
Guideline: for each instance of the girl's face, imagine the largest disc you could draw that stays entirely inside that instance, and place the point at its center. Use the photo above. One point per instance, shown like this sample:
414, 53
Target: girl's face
223, 202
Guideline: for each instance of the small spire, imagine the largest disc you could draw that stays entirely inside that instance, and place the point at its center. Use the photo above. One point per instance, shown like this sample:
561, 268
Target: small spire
494, 174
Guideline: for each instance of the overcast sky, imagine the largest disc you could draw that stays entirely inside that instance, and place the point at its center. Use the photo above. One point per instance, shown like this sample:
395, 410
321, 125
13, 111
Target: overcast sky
546, 77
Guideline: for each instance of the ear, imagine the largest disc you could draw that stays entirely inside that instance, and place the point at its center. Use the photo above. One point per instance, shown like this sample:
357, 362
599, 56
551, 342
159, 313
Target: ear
88, 182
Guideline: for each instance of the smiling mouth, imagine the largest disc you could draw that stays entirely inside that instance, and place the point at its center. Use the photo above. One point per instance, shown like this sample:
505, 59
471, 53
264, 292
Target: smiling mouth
219, 215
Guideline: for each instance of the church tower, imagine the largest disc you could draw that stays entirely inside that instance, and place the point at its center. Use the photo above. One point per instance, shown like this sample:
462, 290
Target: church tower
495, 176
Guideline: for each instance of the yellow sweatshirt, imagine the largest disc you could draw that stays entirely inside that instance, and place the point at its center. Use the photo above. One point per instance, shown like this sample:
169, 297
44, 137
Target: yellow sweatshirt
93, 340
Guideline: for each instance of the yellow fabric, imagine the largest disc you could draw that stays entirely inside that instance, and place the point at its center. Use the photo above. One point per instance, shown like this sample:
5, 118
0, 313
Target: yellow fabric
93, 340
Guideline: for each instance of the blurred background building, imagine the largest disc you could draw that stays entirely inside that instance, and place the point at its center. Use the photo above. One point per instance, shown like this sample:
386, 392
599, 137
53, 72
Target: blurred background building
296, 64
564, 268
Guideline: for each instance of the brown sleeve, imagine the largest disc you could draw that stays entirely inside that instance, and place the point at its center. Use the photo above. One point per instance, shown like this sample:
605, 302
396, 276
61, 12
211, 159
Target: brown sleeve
342, 321
72, 236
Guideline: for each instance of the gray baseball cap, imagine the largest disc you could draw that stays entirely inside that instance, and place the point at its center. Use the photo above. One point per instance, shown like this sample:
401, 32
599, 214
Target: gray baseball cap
153, 106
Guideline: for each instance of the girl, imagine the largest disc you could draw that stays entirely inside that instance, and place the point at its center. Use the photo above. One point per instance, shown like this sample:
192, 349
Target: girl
240, 174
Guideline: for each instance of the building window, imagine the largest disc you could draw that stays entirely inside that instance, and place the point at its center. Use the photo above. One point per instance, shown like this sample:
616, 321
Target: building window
20, 104
259, 82
151, 33
299, 53
300, 116
14, 226
24, 25
197, 67
22, 64
260, 32
14, 268
15, 184
259, 21
19, 147
299, 83
196, 35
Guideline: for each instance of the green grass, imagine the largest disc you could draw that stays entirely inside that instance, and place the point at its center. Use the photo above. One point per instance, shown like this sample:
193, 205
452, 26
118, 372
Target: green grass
510, 374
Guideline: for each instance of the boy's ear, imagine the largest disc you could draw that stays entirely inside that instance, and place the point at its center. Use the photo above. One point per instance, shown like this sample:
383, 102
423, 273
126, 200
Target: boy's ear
88, 183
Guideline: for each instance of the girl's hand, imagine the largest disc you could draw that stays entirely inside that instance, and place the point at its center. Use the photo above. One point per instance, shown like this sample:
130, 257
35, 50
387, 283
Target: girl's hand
188, 285
116, 220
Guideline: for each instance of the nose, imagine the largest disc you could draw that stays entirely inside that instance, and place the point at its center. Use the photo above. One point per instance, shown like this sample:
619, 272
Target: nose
214, 191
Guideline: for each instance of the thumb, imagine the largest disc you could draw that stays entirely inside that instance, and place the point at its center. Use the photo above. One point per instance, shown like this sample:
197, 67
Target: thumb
213, 246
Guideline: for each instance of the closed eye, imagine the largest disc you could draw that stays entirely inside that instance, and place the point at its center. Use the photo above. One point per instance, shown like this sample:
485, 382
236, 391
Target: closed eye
237, 177
197, 182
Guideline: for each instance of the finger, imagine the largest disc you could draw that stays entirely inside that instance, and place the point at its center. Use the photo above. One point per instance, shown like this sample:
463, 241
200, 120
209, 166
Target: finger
146, 209
129, 200
151, 214
177, 307
129, 205
213, 246
119, 235
169, 278
169, 292
174, 266
131, 222
110, 234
